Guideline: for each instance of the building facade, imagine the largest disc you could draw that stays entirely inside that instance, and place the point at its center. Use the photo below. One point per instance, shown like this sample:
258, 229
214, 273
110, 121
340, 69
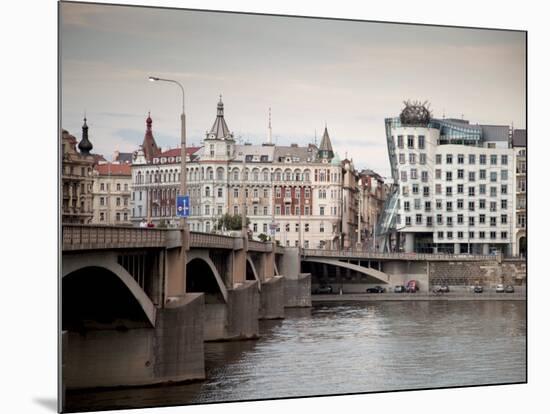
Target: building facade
111, 194
453, 186
372, 192
293, 193
76, 177
519, 143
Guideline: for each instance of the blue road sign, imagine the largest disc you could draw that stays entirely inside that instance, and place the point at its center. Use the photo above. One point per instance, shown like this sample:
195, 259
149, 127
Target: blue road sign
182, 206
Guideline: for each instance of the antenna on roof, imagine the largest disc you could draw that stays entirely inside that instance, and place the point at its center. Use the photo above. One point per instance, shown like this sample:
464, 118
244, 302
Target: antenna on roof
269, 140
315, 137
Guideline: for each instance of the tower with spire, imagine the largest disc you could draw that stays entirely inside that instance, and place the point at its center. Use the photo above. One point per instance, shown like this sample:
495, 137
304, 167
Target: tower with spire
325, 149
219, 142
85, 146
149, 145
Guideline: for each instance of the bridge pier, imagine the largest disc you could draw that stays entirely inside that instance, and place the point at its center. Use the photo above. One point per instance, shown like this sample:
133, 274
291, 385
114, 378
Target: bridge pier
297, 285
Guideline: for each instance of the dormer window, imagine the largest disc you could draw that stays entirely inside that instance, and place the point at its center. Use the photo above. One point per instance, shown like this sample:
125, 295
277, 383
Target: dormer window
211, 150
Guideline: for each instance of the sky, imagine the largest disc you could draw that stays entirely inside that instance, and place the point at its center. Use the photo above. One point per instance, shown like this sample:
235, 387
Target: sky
310, 72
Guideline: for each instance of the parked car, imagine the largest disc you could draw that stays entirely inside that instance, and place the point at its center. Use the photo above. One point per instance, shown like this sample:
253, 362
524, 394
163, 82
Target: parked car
509, 289
499, 289
441, 289
376, 289
399, 289
478, 289
412, 286
324, 289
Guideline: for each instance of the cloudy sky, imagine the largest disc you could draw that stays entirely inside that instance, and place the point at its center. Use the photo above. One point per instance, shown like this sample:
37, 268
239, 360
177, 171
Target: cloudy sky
350, 75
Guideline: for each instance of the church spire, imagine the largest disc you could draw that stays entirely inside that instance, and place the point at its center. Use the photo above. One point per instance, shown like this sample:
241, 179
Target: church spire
150, 147
85, 146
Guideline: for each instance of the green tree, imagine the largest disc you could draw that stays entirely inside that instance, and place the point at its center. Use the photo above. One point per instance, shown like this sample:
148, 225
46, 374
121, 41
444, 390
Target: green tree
264, 237
230, 222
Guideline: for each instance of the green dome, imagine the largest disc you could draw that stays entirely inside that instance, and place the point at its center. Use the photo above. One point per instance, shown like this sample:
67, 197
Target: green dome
336, 159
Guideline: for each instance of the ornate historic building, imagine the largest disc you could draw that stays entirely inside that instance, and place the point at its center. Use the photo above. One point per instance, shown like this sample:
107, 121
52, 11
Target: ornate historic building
296, 191
519, 142
76, 177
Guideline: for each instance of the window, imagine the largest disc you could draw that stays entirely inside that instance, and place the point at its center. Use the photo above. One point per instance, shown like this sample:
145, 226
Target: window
412, 158
482, 174
482, 189
460, 158
449, 206
460, 235
482, 204
493, 176
429, 221
449, 191
503, 219
439, 218
288, 193
415, 189
471, 159
410, 141
504, 159
406, 206
482, 219
102, 187
439, 234
449, 221
296, 210
493, 191
460, 219
521, 220
438, 158
118, 201
503, 235
322, 211
504, 189
417, 204
438, 188
449, 158
220, 192
101, 201
424, 176
493, 159
460, 174
414, 174
118, 186
504, 204
471, 176
418, 219
405, 190
306, 227
460, 204
207, 191
449, 234
266, 193
306, 211
401, 158
483, 159
101, 216
438, 204
449, 176
471, 221
471, 191
426, 191
400, 141
117, 216
306, 192
287, 210
421, 142
493, 221
471, 206
278, 210
265, 211
503, 175
407, 221
493, 235
321, 228
460, 188
438, 174
207, 209
255, 210
403, 175
427, 206
297, 227
493, 206
422, 158
481, 234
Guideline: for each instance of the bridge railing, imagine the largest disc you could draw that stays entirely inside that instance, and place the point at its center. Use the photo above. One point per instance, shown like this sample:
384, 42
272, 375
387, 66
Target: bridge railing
91, 236
258, 246
212, 240
355, 254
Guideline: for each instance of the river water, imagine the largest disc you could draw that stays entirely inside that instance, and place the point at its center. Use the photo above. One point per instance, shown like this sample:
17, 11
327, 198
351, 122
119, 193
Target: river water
348, 348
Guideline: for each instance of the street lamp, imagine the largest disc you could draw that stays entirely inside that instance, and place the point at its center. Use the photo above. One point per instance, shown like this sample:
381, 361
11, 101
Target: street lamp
183, 174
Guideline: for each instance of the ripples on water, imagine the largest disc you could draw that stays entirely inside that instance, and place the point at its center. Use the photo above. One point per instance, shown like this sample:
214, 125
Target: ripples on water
363, 347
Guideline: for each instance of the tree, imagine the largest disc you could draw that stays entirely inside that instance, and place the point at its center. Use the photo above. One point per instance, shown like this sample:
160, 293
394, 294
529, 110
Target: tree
264, 237
230, 222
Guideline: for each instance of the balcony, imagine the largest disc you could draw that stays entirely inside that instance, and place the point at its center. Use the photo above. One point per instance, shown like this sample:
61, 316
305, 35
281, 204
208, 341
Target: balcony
255, 200
287, 200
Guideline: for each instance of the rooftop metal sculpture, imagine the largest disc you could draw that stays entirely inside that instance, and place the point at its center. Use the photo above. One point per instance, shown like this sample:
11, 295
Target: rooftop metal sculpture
415, 113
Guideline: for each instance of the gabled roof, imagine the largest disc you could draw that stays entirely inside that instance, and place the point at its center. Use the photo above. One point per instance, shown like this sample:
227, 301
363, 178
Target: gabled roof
113, 169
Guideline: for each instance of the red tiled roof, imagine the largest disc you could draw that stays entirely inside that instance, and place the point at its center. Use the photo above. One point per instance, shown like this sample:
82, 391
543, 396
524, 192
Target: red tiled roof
176, 152
114, 169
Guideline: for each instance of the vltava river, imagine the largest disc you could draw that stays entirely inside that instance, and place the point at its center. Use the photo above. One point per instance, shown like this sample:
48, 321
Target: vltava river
349, 348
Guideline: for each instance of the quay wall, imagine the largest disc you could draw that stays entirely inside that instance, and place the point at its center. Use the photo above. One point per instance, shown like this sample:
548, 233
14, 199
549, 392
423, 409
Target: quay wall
272, 299
298, 291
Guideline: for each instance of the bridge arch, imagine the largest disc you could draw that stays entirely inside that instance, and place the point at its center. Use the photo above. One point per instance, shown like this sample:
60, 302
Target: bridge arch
380, 277
197, 263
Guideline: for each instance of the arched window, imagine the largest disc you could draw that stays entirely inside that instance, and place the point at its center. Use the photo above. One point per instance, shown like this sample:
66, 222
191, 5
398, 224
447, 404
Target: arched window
265, 174
219, 174
297, 175
288, 175
235, 174
306, 175
256, 174
207, 191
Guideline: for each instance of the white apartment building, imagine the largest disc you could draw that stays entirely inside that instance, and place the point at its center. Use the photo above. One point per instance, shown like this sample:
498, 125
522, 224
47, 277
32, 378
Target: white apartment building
519, 143
296, 191
453, 185
111, 194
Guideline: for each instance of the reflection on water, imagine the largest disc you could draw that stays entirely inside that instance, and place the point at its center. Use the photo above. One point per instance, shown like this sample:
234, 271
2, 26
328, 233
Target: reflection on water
345, 348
